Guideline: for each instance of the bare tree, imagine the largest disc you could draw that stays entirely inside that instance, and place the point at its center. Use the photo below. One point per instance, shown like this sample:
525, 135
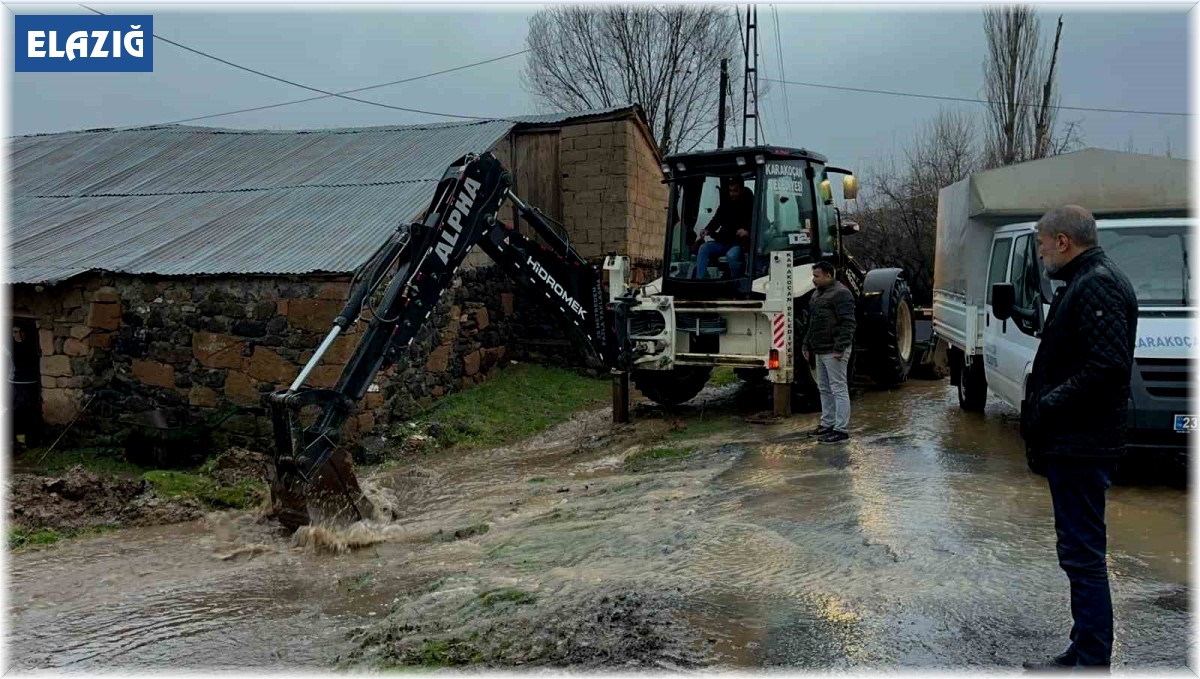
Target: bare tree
899, 205
665, 58
1022, 124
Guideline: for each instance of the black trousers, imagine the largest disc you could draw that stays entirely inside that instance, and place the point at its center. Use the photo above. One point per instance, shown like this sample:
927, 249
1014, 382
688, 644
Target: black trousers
25, 417
1077, 489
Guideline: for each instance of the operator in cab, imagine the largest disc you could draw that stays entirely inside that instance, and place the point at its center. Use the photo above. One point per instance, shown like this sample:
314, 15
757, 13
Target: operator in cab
728, 233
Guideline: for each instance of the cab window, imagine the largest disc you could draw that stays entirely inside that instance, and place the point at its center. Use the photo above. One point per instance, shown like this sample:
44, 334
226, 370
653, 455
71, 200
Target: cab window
999, 267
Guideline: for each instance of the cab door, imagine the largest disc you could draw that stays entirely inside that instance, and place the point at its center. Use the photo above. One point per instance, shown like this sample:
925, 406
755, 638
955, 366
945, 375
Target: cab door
993, 330
1017, 340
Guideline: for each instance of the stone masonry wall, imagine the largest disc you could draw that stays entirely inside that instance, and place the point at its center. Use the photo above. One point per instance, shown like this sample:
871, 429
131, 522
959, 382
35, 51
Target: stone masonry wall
613, 196
191, 348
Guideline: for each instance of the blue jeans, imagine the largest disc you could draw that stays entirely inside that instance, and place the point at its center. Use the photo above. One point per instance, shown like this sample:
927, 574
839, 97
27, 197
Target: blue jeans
711, 250
1077, 491
835, 390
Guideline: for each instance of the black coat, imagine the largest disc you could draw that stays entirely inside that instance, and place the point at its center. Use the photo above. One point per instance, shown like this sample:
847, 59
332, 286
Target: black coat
732, 215
1077, 397
831, 320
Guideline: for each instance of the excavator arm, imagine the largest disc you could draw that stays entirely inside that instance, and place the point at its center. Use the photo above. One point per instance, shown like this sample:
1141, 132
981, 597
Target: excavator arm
312, 481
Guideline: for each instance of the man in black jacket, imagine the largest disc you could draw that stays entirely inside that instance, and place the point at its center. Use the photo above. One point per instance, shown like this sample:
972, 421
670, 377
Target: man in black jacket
1074, 415
830, 337
728, 233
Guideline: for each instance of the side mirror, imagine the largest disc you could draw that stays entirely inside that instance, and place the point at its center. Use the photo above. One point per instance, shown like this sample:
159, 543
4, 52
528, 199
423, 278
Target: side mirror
1004, 298
849, 187
826, 192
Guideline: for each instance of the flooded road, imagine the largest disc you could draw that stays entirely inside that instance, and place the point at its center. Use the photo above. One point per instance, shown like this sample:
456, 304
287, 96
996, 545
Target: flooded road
694, 539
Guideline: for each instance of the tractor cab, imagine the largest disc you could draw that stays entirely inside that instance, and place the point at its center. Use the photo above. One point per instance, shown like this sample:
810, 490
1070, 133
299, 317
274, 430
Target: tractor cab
729, 209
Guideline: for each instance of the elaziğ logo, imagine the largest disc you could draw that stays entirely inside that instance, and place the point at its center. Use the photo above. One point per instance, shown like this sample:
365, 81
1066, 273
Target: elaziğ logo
90, 44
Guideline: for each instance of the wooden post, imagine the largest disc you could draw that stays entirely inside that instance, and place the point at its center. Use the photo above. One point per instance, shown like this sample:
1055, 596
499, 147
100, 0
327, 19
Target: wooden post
620, 396
783, 399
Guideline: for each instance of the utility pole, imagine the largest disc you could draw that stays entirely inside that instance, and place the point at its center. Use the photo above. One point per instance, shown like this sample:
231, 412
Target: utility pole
750, 72
721, 104
1042, 129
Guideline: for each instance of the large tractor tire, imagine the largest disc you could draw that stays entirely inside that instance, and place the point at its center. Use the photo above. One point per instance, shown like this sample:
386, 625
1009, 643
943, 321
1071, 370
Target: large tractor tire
671, 387
893, 334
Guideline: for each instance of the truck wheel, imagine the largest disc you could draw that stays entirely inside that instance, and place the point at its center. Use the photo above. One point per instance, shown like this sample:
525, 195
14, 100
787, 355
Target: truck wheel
894, 349
972, 388
671, 387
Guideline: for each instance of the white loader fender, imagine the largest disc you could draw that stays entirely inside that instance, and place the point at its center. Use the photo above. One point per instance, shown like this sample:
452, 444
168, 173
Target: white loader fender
801, 281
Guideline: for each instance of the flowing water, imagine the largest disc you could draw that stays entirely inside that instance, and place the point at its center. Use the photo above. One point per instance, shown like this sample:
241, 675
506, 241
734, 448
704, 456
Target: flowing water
922, 543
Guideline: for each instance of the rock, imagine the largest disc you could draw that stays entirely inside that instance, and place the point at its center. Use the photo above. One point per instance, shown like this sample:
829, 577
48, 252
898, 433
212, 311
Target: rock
106, 294
214, 350
153, 373
202, 397
106, 316
439, 359
268, 366
242, 389
56, 366
471, 363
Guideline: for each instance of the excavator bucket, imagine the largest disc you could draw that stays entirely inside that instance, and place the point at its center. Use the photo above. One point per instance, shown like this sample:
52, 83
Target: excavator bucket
330, 497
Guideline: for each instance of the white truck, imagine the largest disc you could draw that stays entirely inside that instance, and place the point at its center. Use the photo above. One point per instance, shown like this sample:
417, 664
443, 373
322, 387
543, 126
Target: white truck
986, 235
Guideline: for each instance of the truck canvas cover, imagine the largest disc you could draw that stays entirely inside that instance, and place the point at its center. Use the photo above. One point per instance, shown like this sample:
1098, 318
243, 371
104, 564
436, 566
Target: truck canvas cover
1109, 183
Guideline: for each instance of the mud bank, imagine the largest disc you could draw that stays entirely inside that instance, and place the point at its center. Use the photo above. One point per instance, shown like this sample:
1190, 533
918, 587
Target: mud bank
81, 500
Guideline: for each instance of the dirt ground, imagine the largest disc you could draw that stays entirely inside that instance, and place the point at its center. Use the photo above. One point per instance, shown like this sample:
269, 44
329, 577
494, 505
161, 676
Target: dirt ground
81, 499
705, 538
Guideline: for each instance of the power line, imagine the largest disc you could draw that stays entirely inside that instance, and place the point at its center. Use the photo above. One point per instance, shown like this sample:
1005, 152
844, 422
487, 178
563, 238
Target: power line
773, 108
972, 101
787, 108
327, 96
302, 86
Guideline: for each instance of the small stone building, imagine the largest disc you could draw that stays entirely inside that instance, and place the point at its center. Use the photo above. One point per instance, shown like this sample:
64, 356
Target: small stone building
173, 276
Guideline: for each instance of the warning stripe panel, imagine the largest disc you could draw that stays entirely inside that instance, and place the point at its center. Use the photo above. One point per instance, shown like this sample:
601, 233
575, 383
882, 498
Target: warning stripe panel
779, 331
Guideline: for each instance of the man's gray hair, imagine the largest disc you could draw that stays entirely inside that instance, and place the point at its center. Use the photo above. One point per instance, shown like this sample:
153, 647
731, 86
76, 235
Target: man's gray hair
1074, 222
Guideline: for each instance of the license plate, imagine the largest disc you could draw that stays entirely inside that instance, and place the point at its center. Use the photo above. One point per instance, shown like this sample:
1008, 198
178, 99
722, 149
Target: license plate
1186, 423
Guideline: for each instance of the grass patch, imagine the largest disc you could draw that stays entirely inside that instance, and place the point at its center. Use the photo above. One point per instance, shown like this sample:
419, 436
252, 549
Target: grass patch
99, 460
699, 429
645, 459
507, 595
518, 402
723, 376
244, 494
360, 583
447, 653
19, 538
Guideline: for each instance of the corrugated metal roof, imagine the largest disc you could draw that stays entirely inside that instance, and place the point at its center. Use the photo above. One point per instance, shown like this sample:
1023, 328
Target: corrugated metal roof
560, 117
184, 200
190, 200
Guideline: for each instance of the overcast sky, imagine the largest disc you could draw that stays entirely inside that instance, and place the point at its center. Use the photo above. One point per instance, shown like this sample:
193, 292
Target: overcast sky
1127, 57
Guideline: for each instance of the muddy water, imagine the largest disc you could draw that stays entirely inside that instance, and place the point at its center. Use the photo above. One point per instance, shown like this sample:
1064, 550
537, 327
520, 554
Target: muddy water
924, 542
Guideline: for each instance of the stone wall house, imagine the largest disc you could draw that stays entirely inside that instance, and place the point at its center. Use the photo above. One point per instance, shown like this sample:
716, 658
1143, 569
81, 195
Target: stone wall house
173, 276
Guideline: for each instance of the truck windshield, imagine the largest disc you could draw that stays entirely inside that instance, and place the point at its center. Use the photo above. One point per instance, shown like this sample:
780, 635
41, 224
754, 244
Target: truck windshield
787, 218
1156, 260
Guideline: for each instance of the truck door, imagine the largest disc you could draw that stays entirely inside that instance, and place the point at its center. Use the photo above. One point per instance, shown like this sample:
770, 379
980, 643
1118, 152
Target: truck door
992, 329
1017, 340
